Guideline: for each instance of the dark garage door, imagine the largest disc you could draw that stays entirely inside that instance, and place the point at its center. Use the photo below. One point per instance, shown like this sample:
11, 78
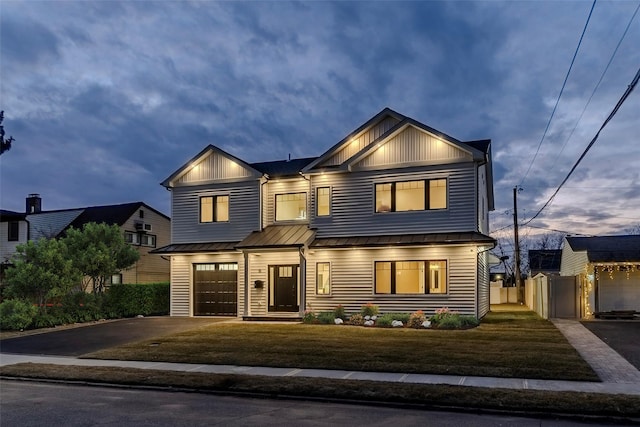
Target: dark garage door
215, 289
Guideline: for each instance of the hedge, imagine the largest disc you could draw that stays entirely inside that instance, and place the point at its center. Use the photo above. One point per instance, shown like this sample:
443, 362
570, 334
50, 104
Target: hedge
129, 300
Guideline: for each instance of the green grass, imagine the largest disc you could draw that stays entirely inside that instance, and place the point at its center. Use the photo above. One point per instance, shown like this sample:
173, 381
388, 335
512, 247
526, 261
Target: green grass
506, 344
545, 403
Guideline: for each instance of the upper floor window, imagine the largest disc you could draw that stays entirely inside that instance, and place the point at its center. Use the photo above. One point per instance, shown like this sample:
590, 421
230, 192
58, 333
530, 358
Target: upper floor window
411, 277
140, 239
407, 196
323, 201
214, 208
13, 234
292, 206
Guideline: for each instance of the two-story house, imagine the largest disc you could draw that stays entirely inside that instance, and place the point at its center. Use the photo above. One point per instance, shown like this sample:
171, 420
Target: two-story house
143, 227
395, 214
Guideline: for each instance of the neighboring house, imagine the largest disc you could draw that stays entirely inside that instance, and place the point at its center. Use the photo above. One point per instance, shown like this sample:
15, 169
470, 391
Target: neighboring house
14, 230
142, 226
395, 214
608, 270
545, 261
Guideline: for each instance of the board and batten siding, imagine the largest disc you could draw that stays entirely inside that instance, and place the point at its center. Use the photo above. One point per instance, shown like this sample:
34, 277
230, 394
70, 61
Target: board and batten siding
412, 146
182, 280
283, 186
361, 141
352, 280
244, 213
214, 167
353, 203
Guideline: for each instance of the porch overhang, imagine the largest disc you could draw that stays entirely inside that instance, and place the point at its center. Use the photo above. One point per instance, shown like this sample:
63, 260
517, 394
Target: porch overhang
187, 248
278, 237
430, 239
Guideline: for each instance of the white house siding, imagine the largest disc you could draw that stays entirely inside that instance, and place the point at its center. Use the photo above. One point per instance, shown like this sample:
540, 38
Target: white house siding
353, 200
7, 248
572, 263
483, 200
412, 146
214, 167
50, 224
483, 284
243, 213
182, 280
283, 186
361, 141
352, 279
259, 270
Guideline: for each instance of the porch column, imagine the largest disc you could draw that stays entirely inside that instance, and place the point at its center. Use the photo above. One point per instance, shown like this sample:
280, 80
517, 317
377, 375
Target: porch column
247, 288
303, 282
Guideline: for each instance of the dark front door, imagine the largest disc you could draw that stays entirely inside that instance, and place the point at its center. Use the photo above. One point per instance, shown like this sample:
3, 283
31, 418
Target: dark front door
215, 289
285, 288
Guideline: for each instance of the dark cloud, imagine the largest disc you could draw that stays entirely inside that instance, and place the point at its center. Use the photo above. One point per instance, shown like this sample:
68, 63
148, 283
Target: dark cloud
26, 42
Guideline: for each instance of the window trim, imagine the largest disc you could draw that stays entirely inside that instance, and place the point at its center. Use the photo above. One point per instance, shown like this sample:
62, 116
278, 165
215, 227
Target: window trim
330, 287
214, 208
427, 195
275, 207
427, 279
328, 187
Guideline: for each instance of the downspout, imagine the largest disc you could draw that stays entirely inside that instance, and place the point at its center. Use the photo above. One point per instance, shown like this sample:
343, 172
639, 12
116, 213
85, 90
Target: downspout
303, 282
246, 311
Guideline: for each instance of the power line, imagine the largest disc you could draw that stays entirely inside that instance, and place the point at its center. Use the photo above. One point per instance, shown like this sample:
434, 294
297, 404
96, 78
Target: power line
624, 97
596, 87
560, 94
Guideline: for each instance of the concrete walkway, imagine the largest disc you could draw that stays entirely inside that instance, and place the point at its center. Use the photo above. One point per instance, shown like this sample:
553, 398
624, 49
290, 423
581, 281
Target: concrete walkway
606, 362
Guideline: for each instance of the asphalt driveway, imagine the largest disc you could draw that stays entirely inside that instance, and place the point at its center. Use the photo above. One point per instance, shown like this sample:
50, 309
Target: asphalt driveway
99, 336
622, 336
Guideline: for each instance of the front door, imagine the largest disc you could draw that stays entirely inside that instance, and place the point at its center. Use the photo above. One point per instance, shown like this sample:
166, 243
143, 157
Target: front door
284, 288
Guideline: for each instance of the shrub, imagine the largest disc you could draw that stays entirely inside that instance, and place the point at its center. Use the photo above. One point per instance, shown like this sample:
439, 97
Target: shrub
369, 309
469, 321
339, 313
309, 317
128, 300
356, 319
16, 314
326, 318
441, 314
450, 322
416, 319
385, 320
403, 317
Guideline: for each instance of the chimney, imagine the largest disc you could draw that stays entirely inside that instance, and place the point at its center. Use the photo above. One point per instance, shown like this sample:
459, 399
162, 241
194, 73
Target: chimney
34, 203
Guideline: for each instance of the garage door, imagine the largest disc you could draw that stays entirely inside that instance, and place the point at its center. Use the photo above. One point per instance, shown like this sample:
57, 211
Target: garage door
215, 289
619, 290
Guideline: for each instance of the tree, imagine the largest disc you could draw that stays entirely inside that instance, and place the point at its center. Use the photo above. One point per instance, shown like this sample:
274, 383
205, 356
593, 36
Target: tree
634, 229
5, 144
99, 251
41, 271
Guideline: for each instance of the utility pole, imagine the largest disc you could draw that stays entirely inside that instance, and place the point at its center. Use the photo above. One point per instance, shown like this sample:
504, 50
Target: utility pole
516, 268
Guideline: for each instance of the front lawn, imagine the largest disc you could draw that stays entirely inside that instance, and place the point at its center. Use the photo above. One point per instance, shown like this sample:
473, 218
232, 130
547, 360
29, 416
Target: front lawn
506, 344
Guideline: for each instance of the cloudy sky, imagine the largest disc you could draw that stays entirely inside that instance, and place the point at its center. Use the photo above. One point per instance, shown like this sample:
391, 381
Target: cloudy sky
106, 99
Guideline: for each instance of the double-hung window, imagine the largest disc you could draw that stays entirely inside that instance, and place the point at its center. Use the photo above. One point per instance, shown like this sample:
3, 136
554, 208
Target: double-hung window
214, 208
411, 277
405, 196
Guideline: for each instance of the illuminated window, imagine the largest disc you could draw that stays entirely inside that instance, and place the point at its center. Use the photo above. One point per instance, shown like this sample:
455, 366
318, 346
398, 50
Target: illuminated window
323, 278
407, 196
411, 277
291, 207
214, 209
323, 197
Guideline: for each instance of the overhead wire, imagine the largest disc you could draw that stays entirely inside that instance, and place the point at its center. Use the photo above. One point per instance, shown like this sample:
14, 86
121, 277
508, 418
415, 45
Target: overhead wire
575, 54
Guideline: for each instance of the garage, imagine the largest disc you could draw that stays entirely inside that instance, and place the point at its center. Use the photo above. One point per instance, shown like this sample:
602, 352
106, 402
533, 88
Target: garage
618, 289
215, 289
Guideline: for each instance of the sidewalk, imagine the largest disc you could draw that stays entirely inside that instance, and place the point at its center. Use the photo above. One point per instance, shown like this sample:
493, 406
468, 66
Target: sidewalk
618, 376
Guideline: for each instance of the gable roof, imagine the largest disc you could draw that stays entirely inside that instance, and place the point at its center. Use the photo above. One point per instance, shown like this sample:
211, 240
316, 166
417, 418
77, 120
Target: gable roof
545, 259
208, 150
278, 236
6, 216
282, 168
607, 248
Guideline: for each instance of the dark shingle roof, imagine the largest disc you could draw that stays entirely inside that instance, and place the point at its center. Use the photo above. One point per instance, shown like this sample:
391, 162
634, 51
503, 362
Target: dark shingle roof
480, 145
281, 168
112, 214
608, 248
6, 215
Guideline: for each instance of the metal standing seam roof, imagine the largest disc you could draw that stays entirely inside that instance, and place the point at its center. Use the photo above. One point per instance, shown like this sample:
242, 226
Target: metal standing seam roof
403, 240
608, 248
178, 248
279, 236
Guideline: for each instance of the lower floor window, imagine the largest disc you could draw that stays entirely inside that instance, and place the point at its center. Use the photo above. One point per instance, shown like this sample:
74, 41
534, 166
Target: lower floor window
411, 277
323, 279
116, 279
